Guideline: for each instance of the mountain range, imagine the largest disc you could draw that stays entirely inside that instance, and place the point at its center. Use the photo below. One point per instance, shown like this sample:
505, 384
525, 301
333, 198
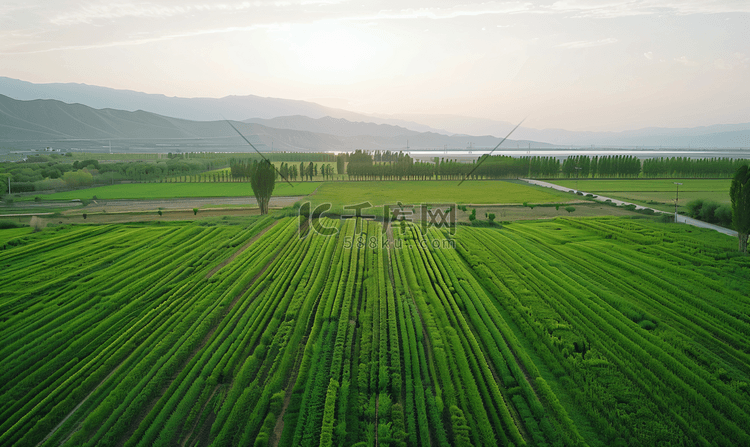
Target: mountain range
42, 123
305, 125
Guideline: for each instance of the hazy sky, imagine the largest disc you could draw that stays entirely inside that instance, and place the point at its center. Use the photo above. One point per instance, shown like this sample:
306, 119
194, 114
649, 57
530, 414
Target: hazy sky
578, 64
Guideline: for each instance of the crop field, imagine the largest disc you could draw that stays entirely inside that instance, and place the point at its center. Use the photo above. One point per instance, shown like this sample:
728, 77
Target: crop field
590, 331
178, 190
661, 191
426, 191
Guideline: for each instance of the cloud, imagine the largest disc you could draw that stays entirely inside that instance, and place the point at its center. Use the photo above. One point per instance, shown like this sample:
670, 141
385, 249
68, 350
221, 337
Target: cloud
624, 8
649, 55
587, 43
685, 61
736, 60
453, 12
145, 40
90, 13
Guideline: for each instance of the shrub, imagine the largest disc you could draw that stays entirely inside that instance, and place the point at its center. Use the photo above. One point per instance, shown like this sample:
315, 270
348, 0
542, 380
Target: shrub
159, 212
491, 217
666, 218
85, 216
195, 211
707, 212
723, 215
569, 209
78, 178
37, 199
49, 184
8, 224
694, 208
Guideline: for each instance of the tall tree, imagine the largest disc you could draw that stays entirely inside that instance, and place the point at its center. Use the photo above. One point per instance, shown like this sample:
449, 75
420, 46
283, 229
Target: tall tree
262, 180
739, 193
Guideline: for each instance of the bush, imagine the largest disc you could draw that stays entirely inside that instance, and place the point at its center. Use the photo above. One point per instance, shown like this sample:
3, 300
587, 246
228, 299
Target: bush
569, 209
49, 184
710, 212
37, 199
723, 215
707, 212
694, 208
195, 211
8, 224
666, 218
22, 187
75, 179
159, 212
85, 216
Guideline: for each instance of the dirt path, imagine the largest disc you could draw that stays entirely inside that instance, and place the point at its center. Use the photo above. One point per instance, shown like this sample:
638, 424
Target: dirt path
241, 250
279, 427
197, 419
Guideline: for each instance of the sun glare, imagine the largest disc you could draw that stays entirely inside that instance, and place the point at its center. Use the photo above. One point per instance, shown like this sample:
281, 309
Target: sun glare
332, 54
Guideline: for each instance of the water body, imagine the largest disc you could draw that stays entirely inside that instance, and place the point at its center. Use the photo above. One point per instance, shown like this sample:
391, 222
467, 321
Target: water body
567, 152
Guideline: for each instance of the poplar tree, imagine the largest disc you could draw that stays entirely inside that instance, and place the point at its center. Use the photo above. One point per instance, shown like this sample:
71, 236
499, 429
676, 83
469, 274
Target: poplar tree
262, 180
739, 193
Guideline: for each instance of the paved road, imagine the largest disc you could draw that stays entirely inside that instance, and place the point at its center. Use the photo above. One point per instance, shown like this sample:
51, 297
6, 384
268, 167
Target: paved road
701, 224
679, 218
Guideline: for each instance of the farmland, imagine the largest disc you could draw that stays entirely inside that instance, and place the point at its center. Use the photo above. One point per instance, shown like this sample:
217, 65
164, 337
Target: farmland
646, 191
178, 190
416, 192
589, 331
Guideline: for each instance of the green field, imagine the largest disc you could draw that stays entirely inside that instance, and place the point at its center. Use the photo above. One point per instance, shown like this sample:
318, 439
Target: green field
178, 190
418, 192
590, 331
663, 192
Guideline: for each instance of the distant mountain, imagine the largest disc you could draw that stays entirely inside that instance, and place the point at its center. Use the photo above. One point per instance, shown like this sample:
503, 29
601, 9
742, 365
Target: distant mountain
334, 126
308, 116
44, 123
719, 135
196, 109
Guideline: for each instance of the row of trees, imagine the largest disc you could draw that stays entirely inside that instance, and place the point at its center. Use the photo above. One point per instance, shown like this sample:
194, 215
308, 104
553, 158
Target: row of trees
398, 166
691, 167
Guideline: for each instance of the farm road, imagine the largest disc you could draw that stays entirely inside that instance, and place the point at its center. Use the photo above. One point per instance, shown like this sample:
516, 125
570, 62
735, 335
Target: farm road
679, 219
183, 203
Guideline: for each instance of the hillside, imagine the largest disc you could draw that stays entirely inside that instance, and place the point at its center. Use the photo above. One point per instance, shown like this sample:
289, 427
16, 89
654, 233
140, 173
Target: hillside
50, 123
